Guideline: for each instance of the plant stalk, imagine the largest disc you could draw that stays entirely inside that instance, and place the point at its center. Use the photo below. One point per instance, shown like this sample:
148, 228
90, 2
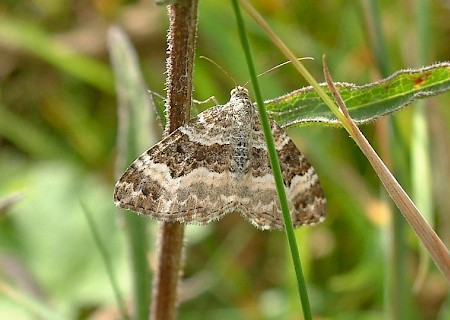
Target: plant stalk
179, 65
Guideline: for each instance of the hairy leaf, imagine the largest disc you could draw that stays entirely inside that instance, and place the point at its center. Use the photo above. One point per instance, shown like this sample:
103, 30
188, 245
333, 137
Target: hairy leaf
365, 103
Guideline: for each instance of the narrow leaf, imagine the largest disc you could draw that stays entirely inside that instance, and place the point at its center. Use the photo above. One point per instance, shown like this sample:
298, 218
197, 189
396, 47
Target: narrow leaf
29, 37
365, 103
134, 136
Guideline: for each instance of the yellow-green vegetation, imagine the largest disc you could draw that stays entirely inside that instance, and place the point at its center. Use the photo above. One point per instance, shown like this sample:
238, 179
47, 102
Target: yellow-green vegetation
58, 129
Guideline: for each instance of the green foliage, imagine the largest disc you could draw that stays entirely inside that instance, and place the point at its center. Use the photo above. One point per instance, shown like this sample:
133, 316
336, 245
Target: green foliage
58, 145
365, 103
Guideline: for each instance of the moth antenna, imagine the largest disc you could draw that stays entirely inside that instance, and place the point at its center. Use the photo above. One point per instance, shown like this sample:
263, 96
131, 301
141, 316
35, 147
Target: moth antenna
276, 67
221, 69
283, 64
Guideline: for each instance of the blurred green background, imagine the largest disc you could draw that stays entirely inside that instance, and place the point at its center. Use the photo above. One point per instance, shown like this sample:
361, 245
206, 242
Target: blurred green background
57, 148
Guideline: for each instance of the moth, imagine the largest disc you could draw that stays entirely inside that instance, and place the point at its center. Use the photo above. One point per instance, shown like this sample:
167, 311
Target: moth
218, 164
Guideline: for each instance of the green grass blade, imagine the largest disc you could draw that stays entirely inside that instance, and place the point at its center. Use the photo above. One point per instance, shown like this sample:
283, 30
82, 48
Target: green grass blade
134, 136
398, 297
100, 243
28, 136
37, 308
30, 38
365, 103
275, 165
376, 37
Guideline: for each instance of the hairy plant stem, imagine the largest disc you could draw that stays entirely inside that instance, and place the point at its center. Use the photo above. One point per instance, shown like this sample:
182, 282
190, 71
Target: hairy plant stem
180, 64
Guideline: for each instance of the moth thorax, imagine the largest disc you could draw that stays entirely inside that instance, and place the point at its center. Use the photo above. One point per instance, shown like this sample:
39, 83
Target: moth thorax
242, 139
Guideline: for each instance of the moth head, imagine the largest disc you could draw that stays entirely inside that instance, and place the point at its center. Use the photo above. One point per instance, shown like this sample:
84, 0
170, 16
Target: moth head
239, 91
